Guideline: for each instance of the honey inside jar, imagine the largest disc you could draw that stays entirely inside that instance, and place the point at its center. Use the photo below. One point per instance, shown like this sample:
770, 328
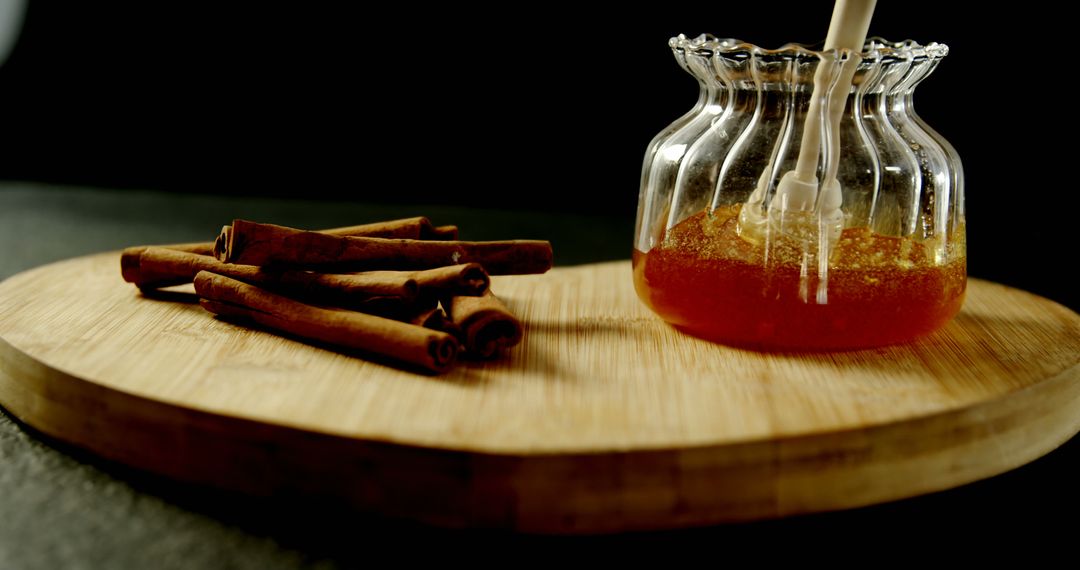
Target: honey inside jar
708, 281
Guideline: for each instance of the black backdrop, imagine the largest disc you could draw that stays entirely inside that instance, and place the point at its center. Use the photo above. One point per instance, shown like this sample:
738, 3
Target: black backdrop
524, 105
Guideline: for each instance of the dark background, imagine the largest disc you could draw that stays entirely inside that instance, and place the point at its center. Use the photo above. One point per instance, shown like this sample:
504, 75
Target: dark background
523, 105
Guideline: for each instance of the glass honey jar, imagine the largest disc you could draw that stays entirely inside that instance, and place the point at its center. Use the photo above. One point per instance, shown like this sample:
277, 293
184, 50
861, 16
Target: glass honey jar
802, 204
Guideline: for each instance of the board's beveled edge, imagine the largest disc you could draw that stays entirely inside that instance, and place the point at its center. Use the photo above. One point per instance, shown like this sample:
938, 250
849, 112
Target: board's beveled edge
543, 493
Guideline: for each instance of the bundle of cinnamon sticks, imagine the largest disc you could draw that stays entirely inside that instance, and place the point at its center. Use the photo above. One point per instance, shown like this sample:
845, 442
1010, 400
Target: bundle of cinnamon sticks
404, 290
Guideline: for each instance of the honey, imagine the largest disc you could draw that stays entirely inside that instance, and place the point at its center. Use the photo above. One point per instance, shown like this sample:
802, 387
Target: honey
708, 281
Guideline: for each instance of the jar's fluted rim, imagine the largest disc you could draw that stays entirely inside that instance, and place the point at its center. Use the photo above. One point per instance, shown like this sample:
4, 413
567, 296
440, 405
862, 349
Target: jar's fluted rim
874, 48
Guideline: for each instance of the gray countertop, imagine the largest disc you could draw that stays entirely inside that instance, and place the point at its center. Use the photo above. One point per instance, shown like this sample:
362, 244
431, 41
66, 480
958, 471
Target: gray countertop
62, 508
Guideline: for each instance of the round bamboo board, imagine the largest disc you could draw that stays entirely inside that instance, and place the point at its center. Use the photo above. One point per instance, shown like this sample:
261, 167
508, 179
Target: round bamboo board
604, 419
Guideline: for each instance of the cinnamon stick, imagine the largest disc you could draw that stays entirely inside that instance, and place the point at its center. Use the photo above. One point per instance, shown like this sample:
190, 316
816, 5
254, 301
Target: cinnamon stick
429, 349
407, 228
267, 244
386, 293
201, 248
442, 233
411, 228
467, 279
486, 325
152, 267
129, 260
221, 244
418, 227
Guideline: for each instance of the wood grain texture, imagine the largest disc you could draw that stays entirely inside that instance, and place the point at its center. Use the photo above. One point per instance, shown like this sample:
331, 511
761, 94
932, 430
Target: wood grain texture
603, 419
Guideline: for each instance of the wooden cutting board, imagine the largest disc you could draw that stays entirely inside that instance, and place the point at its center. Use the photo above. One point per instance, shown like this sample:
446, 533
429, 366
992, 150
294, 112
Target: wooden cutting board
604, 419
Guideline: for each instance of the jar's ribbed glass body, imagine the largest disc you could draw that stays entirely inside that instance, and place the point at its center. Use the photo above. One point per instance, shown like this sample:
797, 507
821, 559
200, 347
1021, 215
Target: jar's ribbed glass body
718, 255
